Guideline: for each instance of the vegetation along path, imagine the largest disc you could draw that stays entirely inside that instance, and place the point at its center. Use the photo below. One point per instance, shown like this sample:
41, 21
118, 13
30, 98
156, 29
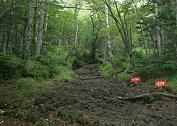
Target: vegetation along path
93, 101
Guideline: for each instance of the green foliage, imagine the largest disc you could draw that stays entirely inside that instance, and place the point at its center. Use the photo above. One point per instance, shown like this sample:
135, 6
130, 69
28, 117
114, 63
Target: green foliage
81, 58
52, 64
106, 69
155, 69
125, 76
63, 73
55, 63
10, 67
172, 82
29, 88
36, 70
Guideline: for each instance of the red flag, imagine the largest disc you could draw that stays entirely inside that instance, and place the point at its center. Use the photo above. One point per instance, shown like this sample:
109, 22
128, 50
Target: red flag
136, 80
161, 84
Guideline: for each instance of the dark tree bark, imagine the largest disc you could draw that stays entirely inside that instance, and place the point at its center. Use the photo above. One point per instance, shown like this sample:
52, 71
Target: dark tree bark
96, 27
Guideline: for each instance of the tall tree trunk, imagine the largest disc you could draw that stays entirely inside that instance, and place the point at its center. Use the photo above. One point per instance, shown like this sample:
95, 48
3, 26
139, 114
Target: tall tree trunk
159, 34
1, 40
76, 25
41, 28
176, 13
108, 43
96, 27
144, 40
29, 30
123, 28
4, 41
176, 32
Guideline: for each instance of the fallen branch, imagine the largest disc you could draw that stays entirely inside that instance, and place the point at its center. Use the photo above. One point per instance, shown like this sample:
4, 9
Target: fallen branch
88, 78
138, 97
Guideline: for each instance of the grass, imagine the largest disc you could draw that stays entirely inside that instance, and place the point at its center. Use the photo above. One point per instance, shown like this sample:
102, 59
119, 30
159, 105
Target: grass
28, 88
125, 76
172, 82
106, 69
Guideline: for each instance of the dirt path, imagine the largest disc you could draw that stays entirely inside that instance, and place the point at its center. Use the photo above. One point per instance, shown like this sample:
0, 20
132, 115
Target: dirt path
89, 101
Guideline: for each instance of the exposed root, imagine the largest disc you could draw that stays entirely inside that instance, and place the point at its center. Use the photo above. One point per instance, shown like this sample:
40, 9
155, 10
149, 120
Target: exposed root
89, 78
142, 96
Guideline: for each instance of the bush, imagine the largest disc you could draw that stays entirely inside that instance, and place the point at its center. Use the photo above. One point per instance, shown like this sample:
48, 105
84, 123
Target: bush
29, 88
54, 64
51, 64
125, 76
37, 70
154, 69
63, 73
10, 67
172, 81
106, 69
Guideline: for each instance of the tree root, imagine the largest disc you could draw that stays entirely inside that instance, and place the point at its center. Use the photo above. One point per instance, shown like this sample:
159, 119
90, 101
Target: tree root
89, 78
142, 96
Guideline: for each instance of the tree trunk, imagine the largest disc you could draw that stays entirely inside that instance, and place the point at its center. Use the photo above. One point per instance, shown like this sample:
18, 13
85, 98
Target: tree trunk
29, 30
108, 43
41, 29
176, 32
176, 13
4, 41
144, 40
159, 33
122, 26
96, 27
76, 25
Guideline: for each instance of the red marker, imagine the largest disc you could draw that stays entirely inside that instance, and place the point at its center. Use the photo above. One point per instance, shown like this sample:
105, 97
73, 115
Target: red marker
161, 84
136, 80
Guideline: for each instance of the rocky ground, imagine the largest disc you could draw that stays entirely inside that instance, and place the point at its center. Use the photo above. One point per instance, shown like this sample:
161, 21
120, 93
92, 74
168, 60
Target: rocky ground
91, 100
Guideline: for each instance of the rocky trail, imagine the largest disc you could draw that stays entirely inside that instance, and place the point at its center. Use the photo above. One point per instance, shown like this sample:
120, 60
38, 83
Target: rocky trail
91, 101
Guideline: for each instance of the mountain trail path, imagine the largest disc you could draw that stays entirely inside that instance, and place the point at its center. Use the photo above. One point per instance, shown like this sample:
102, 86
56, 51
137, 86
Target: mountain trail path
91, 100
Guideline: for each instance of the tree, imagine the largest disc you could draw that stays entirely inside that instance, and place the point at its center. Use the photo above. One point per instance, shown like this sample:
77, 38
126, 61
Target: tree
29, 29
108, 43
41, 28
96, 27
122, 26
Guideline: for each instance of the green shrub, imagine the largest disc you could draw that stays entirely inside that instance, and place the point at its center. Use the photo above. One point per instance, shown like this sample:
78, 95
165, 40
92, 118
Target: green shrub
11, 67
63, 73
106, 69
172, 81
125, 76
29, 88
37, 70
149, 70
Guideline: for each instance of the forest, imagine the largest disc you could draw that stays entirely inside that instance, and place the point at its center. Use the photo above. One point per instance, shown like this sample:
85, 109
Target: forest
72, 62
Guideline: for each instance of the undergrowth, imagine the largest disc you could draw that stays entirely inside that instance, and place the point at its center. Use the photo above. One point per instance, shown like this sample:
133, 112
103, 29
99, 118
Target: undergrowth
28, 88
